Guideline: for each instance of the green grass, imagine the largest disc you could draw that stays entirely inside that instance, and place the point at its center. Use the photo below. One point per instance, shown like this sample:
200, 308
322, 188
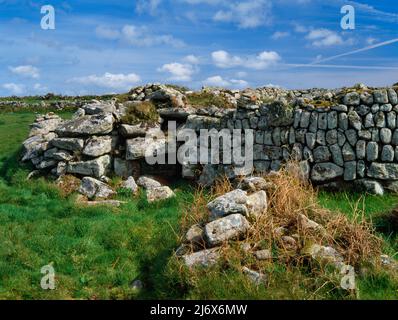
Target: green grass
97, 252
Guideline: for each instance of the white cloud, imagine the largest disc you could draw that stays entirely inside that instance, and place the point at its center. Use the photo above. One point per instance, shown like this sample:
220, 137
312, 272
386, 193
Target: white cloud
279, 35
14, 88
110, 80
324, 38
371, 40
218, 81
139, 36
178, 71
263, 60
223, 59
247, 14
26, 71
192, 59
149, 6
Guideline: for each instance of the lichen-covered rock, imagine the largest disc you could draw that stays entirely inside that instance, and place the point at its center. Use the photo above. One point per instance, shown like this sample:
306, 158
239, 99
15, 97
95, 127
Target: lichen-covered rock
257, 203
352, 99
138, 130
326, 171
204, 258
195, 235
93, 188
98, 146
256, 277
71, 144
324, 254
229, 203
86, 126
148, 183
254, 184
139, 148
99, 107
159, 193
263, 254
94, 168
232, 227
130, 184
383, 171
369, 186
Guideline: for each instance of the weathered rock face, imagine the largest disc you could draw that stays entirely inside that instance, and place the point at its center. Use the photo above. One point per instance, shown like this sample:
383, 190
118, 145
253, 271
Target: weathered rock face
93, 188
203, 258
231, 227
230, 203
159, 193
86, 126
98, 146
94, 168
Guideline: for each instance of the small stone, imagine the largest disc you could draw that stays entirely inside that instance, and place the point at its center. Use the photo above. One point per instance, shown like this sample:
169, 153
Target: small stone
387, 154
352, 99
372, 151
256, 277
325, 171
229, 203
159, 193
385, 135
148, 183
232, 227
263, 254
204, 258
350, 171
322, 154
355, 120
130, 184
93, 188
361, 149
348, 153
380, 96
370, 186
343, 121
380, 120
337, 156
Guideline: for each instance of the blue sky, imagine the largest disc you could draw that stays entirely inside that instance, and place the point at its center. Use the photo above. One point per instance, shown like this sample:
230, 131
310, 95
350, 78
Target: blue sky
110, 46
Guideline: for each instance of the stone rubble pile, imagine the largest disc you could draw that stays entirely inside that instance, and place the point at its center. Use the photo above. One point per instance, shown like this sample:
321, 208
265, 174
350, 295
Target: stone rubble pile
231, 217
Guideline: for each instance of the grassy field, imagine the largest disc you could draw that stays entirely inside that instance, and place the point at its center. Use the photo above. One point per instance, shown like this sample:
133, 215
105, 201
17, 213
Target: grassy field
98, 252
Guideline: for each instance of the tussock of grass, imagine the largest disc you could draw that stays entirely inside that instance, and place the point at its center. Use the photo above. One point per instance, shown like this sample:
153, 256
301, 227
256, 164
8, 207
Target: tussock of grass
205, 99
138, 112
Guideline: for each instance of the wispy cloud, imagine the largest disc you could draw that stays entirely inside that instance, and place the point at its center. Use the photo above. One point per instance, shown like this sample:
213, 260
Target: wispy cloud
263, 60
14, 88
218, 81
26, 71
109, 80
178, 71
139, 36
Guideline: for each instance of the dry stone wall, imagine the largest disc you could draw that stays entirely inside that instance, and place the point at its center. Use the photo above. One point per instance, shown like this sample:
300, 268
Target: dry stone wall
340, 137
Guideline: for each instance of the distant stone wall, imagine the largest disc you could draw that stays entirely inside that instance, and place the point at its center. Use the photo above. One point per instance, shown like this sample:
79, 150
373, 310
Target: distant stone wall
341, 138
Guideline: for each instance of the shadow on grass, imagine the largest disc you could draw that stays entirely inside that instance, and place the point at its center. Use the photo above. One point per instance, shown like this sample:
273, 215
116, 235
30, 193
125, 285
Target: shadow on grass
9, 166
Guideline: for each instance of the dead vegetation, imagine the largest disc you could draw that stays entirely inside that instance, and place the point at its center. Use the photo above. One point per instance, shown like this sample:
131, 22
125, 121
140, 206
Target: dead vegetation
290, 201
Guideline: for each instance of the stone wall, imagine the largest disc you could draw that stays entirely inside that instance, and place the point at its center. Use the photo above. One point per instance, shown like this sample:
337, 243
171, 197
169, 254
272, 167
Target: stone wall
345, 137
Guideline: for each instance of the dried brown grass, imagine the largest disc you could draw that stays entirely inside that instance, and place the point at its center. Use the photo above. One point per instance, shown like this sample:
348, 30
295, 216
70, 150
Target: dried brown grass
289, 197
